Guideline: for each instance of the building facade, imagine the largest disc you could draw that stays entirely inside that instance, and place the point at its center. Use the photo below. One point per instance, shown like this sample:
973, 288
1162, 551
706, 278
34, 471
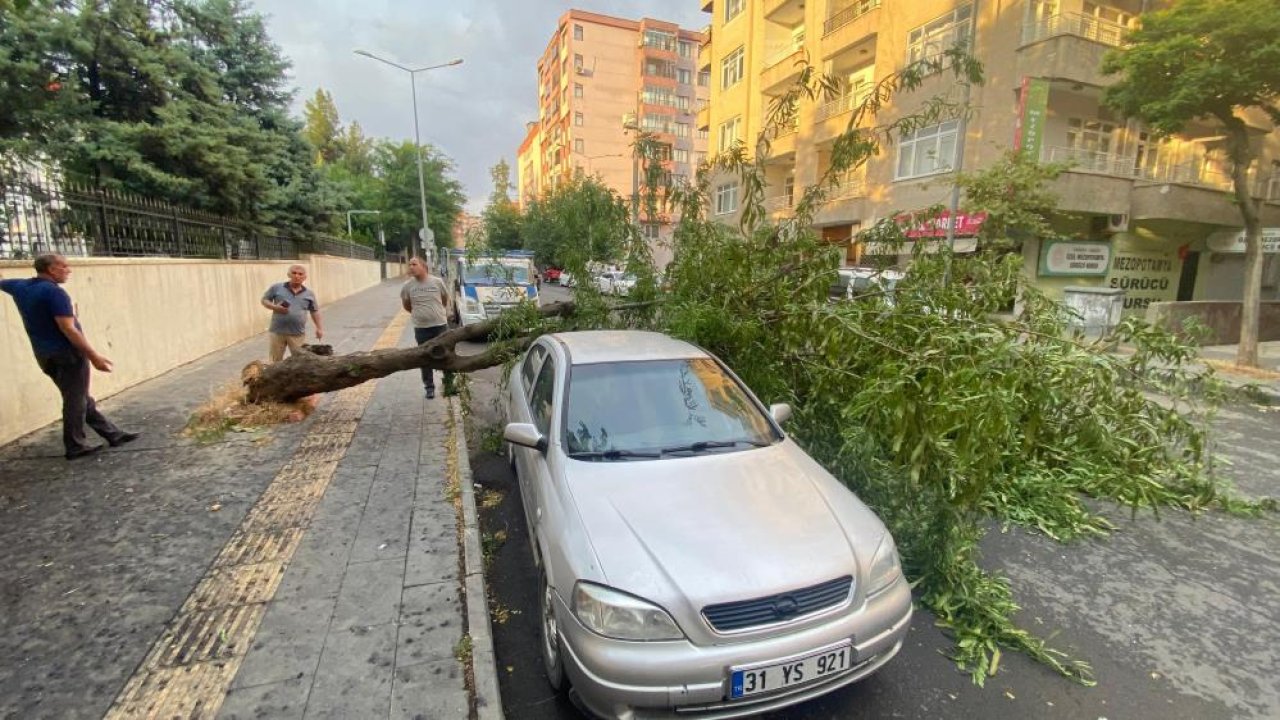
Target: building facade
1153, 217
599, 80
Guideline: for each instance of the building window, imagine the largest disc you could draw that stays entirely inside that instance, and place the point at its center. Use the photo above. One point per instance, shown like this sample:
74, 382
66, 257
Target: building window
731, 68
733, 8
659, 40
686, 49
577, 32
682, 103
699, 158
682, 130
577, 90
726, 198
930, 40
577, 62
659, 68
704, 78
703, 133
651, 231
927, 151
729, 133
681, 156
684, 77
579, 146
658, 96
1091, 143
578, 119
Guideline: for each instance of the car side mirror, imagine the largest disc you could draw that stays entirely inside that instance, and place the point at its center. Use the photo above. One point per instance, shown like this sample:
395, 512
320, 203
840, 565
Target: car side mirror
525, 435
781, 412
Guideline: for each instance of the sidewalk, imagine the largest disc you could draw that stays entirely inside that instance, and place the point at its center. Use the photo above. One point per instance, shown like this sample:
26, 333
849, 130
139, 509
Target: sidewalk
307, 570
1265, 384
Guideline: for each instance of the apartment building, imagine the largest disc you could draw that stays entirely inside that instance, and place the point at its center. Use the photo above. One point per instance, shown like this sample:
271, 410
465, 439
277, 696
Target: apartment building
529, 165
1148, 216
599, 79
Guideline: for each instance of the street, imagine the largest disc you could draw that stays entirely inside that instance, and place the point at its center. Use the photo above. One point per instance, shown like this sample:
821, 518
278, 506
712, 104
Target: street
1175, 613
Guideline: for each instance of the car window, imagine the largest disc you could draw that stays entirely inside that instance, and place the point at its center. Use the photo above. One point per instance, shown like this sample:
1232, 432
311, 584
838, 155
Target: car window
646, 406
540, 398
530, 368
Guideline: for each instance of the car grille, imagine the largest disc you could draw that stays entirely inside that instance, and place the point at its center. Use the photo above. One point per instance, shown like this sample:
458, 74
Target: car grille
777, 608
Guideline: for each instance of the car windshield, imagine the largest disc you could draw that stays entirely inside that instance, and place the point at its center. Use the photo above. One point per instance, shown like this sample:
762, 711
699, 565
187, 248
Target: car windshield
660, 408
496, 273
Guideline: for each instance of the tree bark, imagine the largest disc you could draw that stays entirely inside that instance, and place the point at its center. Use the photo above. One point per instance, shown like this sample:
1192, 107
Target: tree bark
307, 374
1241, 154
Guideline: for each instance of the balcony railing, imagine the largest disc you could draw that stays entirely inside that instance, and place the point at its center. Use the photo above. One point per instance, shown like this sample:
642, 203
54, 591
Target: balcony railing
847, 186
855, 10
843, 103
777, 53
1181, 174
783, 201
1080, 25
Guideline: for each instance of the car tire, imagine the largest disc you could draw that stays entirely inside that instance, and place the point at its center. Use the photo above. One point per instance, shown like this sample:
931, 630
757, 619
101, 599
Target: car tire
549, 638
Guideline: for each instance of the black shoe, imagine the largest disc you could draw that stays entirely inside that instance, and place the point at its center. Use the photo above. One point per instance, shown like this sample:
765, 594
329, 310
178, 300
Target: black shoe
123, 438
83, 451
431, 393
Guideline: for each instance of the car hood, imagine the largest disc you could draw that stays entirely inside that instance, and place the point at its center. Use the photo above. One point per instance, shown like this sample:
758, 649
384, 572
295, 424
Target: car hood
721, 527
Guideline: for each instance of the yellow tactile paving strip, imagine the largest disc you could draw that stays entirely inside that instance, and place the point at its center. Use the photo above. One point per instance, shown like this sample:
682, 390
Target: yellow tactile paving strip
189, 669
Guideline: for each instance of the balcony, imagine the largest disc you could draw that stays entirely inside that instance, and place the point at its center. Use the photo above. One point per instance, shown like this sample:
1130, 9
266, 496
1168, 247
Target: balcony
832, 117
850, 26
845, 202
1050, 51
704, 50
1077, 25
782, 140
782, 65
780, 205
703, 118
786, 12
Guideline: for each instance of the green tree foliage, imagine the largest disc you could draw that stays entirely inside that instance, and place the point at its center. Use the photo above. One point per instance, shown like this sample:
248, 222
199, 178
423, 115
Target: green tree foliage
182, 101
1208, 59
940, 409
323, 128
396, 170
501, 217
581, 221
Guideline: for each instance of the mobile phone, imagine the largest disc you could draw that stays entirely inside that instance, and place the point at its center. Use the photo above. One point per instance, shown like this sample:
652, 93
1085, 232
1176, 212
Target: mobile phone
284, 304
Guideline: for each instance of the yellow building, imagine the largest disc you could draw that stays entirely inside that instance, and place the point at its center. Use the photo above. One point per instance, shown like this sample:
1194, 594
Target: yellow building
1147, 216
598, 75
529, 166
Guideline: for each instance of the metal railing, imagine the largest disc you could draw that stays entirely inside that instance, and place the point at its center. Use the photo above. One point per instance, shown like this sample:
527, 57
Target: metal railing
1078, 24
782, 51
42, 213
843, 103
847, 186
1179, 174
781, 202
853, 11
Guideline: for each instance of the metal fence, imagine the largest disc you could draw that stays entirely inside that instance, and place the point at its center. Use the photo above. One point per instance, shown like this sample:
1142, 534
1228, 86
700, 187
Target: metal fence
42, 213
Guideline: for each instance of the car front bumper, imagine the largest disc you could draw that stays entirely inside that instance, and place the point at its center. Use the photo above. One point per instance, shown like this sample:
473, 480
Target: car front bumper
655, 680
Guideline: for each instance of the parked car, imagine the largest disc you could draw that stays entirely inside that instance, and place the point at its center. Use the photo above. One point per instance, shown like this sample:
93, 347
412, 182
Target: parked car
567, 279
552, 275
693, 558
854, 281
615, 282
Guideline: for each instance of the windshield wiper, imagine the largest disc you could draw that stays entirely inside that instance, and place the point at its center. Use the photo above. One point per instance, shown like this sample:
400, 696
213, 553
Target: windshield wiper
704, 445
612, 454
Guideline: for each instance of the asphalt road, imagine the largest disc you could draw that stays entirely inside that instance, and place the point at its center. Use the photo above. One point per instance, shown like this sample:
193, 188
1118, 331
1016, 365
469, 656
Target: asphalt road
1176, 613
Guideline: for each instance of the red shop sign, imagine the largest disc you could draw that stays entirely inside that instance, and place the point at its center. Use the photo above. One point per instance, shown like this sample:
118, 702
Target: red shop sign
936, 227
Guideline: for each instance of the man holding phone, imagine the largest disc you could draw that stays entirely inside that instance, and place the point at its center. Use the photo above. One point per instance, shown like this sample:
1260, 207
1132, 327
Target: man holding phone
291, 302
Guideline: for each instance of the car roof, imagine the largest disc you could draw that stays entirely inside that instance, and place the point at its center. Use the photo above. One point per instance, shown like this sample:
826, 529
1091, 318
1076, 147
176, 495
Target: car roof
602, 346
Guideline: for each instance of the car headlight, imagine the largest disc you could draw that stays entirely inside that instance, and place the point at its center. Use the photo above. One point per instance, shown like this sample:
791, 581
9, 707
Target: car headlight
620, 616
886, 568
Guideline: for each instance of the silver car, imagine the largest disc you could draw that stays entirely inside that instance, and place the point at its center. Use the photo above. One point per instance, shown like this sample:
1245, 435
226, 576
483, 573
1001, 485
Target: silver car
693, 559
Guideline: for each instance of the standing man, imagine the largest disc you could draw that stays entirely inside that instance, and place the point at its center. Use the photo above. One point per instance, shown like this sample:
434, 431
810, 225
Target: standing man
63, 353
290, 302
426, 298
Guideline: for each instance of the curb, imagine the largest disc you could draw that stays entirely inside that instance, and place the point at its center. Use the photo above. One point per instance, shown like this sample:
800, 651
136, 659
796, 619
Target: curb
484, 666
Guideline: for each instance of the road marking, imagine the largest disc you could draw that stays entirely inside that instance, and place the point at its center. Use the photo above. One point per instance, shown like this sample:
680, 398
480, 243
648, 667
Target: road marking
188, 671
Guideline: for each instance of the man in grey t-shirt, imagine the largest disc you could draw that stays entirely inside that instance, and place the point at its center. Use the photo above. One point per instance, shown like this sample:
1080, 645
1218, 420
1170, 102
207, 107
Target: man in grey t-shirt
426, 298
291, 302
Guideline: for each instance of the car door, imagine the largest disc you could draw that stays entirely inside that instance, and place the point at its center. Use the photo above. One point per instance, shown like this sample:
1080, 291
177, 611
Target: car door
520, 389
538, 473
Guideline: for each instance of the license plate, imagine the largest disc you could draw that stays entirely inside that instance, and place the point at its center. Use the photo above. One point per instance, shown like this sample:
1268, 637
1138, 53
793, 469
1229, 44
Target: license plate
779, 676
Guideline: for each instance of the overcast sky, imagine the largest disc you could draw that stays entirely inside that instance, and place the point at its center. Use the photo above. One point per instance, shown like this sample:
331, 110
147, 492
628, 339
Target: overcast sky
474, 112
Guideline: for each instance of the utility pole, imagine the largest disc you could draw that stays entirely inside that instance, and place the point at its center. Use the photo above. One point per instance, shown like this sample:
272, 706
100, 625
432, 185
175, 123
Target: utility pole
961, 133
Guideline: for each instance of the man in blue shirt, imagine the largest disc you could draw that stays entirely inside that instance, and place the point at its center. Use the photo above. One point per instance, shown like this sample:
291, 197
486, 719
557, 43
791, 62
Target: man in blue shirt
63, 353
290, 303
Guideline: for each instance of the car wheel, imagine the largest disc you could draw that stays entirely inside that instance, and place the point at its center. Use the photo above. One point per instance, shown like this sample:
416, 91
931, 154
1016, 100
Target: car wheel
549, 634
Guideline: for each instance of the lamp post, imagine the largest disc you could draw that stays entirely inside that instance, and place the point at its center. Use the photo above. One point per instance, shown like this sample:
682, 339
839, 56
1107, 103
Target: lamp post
589, 158
417, 141
631, 124
358, 212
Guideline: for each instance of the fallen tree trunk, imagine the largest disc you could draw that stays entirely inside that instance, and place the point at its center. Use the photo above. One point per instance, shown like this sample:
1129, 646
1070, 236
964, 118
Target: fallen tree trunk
308, 374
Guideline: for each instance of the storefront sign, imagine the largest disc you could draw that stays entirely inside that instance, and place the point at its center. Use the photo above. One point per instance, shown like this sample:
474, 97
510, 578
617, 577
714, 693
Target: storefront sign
1145, 277
1033, 106
1232, 241
962, 245
1062, 258
936, 227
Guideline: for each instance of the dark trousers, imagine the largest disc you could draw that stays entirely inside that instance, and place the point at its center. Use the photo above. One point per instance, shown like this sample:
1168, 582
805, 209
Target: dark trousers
422, 335
70, 372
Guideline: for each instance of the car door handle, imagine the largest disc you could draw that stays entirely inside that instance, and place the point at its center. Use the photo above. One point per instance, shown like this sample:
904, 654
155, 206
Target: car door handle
537, 513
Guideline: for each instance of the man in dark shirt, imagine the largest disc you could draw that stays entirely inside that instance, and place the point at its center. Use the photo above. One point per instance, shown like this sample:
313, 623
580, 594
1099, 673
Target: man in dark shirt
63, 353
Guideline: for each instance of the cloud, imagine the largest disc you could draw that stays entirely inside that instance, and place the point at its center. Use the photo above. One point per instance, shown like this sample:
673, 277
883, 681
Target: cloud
475, 112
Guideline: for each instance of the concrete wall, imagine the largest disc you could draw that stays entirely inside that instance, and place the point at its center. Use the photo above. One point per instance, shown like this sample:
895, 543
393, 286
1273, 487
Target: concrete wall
150, 315
1221, 317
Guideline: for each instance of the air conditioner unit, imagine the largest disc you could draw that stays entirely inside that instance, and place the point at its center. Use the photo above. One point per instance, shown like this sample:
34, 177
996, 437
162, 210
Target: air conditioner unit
1118, 223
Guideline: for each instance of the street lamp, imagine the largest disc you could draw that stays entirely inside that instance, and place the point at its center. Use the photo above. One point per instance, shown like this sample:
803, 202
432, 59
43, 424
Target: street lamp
417, 141
589, 158
630, 124
358, 212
